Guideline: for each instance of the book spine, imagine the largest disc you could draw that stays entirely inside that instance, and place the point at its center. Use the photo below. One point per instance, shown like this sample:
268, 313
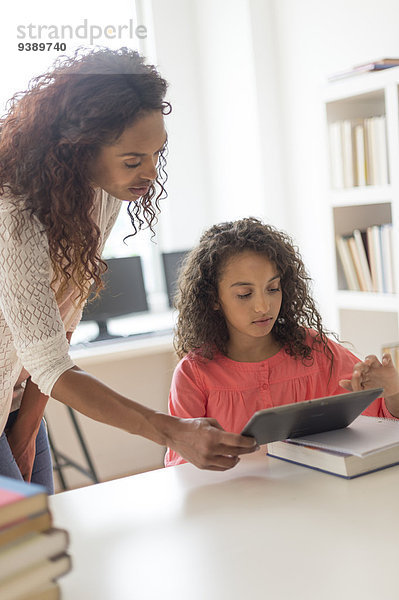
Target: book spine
381, 150
386, 251
31, 579
372, 258
364, 264
337, 173
370, 151
376, 242
347, 263
357, 264
31, 549
361, 175
347, 153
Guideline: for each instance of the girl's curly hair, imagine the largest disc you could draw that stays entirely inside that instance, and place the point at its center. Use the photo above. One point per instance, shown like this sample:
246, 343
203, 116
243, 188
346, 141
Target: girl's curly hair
203, 329
55, 128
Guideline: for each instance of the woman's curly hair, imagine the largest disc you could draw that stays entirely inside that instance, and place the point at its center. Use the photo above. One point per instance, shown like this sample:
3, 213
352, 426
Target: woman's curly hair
54, 130
203, 329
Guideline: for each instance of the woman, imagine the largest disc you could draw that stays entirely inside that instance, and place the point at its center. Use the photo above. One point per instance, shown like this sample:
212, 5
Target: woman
86, 137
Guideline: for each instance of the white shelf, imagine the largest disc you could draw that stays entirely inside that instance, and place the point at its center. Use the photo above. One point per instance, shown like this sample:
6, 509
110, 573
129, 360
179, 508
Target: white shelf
367, 320
347, 300
351, 87
358, 196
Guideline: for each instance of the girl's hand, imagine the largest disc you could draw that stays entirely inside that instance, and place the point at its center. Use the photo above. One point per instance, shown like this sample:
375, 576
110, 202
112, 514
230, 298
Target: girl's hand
371, 373
205, 444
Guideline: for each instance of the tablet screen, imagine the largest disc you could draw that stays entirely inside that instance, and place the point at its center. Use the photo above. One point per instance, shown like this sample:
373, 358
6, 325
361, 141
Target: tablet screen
308, 417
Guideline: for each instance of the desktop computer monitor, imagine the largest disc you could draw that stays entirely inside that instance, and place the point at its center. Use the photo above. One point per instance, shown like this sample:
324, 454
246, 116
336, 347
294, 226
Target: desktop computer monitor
124, 294
171, 265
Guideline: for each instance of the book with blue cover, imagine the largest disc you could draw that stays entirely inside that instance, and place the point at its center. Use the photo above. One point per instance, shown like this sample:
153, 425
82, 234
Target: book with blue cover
19, 500
375, 65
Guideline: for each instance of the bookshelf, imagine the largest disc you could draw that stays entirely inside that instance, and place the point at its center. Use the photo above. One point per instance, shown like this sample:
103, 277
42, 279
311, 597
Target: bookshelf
364, 195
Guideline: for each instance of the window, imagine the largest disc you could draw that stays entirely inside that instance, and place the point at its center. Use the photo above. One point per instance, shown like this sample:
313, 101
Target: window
31, 48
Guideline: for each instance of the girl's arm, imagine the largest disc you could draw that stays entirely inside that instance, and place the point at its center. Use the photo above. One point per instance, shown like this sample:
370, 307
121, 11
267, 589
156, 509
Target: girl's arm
200, 441
371, 373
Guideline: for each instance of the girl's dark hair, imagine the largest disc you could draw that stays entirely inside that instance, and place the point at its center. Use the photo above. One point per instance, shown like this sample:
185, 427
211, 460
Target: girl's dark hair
202, 328
51, 133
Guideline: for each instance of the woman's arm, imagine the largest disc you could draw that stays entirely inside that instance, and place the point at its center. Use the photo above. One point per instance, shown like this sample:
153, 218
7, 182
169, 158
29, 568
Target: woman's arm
200, 441
30, 309
22, 435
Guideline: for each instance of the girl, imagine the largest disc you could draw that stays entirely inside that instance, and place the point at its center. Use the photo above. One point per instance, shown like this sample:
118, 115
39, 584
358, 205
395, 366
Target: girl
86, 137
250, 336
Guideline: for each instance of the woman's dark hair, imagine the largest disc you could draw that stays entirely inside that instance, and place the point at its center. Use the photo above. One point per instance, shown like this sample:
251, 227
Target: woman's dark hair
53, 131
202, 328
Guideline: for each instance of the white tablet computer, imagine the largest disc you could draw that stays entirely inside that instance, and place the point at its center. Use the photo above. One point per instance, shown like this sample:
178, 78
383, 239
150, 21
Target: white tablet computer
311, 416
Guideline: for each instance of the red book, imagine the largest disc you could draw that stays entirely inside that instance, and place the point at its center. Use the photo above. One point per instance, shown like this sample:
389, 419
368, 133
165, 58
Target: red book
19, 499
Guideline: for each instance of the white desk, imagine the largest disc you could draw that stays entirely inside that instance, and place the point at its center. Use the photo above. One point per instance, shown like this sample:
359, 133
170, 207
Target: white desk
266, 529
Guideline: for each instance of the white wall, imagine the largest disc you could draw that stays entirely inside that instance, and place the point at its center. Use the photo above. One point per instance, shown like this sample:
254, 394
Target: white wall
315, 39
224, 141
248, 131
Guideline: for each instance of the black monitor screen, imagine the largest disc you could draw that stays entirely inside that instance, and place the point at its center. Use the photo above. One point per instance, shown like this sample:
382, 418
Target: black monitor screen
172, 262
124, 293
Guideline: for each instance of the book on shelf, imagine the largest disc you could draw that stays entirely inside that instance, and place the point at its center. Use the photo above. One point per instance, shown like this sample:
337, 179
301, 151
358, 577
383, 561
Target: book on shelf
32, 549
375, 244
347, 153
360, 240
372, 249
381, 158
386, 258
368, 67
348, 267
336, 163
368, 444
19, 500
376, 148
367, 259
358, 152
370, 151
34, 579
357, 264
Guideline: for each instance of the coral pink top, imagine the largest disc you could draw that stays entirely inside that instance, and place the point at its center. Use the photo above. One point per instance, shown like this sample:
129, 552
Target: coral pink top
231, 392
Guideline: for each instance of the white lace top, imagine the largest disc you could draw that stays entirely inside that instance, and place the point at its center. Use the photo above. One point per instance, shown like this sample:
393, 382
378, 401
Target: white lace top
32, 324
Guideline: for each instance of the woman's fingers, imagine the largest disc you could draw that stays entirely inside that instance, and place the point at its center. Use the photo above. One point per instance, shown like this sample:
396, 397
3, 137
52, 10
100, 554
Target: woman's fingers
204, 443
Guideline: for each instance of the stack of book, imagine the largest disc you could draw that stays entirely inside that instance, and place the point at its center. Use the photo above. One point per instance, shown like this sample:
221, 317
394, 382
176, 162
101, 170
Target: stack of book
358, 152
33, 554
367, 259
369, 67
368, 444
